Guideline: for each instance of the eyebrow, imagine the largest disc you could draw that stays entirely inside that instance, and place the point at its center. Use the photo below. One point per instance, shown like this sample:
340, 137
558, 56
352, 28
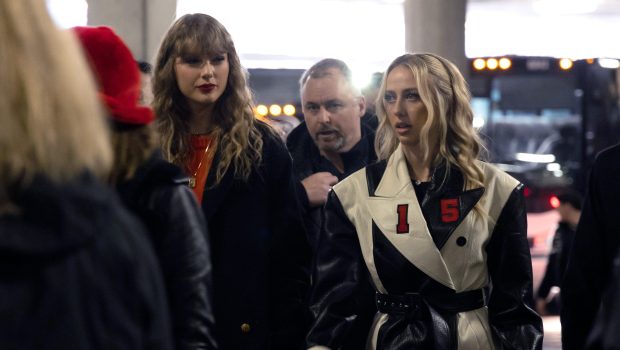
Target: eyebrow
404, 90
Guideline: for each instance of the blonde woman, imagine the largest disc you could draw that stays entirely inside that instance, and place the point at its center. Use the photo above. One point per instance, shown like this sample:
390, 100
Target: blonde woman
76, 271
440, 234
241, 173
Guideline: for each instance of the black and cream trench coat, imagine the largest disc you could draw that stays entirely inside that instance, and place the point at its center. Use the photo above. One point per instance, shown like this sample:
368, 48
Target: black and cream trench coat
446, 277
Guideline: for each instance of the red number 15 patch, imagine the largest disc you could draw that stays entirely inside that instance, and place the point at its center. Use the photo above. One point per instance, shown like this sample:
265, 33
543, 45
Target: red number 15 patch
449, 210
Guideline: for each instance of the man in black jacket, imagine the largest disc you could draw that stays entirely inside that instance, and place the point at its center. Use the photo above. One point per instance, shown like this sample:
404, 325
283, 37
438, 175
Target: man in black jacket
570, 211
332, 142
328, 146
594, 248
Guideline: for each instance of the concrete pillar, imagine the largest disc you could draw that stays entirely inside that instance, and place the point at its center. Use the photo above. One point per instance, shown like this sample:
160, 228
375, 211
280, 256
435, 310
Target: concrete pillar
437, 26
141, 23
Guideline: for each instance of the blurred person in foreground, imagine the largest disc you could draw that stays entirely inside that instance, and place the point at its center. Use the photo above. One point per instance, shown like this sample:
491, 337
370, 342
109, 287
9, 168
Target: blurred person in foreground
604, 334
76, 270
155, 190
596, 244
548, 302
431, 226
240, 172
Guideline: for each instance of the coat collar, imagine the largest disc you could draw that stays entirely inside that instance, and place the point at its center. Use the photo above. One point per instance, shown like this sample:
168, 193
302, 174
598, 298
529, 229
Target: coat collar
446, 180
395, 180
429, 228
307, 158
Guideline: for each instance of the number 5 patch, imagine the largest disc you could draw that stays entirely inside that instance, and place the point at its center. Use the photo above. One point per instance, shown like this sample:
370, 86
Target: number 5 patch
449, 210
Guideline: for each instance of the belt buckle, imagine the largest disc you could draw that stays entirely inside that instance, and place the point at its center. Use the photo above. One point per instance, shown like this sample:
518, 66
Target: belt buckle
402, 304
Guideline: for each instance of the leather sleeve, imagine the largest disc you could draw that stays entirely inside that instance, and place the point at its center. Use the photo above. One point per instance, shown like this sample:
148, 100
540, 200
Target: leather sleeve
513, 322
339, 276
185, 260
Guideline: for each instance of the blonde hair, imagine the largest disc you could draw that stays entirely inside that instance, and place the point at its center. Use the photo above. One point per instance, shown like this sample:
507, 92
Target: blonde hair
446, 95
236, 128
51, 120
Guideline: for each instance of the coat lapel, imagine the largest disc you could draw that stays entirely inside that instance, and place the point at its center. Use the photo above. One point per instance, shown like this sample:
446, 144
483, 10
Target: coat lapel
446, 204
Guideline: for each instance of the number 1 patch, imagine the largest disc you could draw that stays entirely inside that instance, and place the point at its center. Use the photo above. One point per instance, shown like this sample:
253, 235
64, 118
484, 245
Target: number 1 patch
402, 211
449, 210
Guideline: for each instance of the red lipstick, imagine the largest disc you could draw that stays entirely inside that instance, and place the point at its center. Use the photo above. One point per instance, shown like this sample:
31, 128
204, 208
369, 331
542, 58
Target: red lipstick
206, 88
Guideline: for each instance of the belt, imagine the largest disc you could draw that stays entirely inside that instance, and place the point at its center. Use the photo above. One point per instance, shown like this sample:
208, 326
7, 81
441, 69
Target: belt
432, 309
450, 303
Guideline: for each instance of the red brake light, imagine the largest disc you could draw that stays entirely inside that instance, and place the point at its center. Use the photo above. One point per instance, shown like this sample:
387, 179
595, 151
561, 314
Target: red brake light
554, 201
527, 192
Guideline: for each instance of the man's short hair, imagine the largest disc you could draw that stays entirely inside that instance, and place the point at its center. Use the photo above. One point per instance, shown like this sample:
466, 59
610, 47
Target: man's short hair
572, 198
322, 69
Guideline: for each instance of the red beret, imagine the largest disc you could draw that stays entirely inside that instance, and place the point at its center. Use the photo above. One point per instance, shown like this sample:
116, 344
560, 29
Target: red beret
117, 73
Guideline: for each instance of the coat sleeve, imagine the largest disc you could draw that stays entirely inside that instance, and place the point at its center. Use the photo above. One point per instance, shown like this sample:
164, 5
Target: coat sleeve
589, 267
513, 322
185, 260
339, 277
290, 252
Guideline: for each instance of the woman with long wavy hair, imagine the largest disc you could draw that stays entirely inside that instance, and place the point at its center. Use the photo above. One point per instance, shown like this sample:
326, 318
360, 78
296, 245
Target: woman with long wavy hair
241, 173
440, 234
76, 269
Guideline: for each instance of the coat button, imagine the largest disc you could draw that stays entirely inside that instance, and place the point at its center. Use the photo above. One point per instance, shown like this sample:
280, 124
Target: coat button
245, 328
461, 241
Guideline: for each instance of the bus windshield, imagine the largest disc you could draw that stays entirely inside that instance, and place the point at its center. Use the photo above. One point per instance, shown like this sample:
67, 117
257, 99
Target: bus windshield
532, 124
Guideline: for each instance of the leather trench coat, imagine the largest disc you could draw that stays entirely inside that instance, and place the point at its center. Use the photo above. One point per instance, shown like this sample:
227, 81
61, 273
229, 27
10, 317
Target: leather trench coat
446, 277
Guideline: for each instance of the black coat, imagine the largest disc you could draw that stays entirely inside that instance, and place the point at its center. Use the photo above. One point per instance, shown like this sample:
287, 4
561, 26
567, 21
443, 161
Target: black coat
604, 334
431, 260
159, 195
595, 246
261, 256
77, 272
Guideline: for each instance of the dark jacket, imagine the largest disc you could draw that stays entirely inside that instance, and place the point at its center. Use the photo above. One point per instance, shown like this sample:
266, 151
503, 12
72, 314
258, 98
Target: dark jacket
604, 334
261, 256
307, 160
431, 260
159, 196
596, 243
77, 272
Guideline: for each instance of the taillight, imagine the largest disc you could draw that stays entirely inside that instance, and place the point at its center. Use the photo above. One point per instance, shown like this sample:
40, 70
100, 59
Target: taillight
554, 202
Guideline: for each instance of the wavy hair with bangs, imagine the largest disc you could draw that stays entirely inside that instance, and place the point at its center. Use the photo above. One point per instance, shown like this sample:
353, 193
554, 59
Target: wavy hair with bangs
446, 95
236, 127
51, 121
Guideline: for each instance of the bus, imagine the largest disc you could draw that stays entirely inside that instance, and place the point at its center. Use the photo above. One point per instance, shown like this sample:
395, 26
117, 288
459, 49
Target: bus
543, 120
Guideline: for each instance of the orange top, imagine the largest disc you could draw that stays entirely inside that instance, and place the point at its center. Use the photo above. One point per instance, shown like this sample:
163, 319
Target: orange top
199, 164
